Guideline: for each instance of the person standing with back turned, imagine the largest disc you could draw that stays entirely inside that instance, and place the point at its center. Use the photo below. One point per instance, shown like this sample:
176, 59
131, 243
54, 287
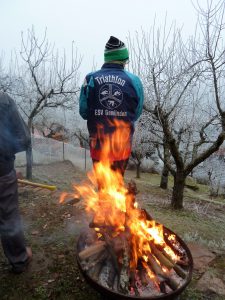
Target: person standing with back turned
14, 138
111, 99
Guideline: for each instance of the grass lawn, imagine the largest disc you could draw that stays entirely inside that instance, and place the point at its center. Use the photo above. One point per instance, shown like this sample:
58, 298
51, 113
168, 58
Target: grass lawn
52, 231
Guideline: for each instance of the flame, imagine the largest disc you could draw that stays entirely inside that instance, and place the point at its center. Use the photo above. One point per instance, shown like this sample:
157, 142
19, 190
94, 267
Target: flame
64, 196
108, 199
116, 146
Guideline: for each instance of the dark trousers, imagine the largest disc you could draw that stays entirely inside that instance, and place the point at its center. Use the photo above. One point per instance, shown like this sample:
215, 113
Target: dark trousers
11, 232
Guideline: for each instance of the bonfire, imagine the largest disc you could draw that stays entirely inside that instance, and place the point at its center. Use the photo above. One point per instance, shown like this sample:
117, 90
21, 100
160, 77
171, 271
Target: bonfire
124, 250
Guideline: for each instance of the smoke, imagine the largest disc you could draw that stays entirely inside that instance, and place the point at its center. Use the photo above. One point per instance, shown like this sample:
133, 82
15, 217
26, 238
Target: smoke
76, 223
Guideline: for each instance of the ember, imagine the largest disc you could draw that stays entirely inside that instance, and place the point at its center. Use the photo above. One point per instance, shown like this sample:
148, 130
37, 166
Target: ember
125, 250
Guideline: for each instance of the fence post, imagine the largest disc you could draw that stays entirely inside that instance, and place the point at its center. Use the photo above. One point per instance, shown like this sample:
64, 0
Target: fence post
63, 151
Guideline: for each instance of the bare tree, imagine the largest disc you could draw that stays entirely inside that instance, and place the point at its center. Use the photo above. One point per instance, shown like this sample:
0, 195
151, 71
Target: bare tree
82, 136
184, 88
166, 159
142, 147
44, 79
6, 76
52, 128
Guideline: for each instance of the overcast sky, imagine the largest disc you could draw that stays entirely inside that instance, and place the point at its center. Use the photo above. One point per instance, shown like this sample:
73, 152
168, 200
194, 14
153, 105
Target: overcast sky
89, 23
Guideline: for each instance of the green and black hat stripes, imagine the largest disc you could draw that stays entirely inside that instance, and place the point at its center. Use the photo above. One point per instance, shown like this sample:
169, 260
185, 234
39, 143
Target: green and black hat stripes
115, 50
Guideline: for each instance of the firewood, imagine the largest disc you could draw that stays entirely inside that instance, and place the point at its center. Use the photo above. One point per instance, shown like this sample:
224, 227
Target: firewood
154, 266
96, 271
143, 277
112, 276
133, 282
124, 272
162, 286
163, 260
168, 262
101, 226
161, 249
180, 271
180, 262
159, 272
117, 249
171, 245
171, 283
142, 273
98, 267
110, 249
93, 260
91, 250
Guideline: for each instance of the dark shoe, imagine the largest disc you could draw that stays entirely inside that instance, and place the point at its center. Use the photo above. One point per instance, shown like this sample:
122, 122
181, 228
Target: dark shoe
23, 267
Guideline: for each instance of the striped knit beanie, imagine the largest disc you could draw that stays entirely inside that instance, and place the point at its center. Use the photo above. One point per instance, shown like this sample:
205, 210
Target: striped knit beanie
115, 50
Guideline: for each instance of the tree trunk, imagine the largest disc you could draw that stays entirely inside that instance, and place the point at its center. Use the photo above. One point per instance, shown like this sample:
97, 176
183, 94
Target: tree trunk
164, 178
138, 170
178, 190
29, 157
165, 172
29, 162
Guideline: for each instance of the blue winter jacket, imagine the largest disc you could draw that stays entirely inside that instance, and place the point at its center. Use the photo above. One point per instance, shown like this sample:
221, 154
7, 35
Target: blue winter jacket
109, 94
14, 134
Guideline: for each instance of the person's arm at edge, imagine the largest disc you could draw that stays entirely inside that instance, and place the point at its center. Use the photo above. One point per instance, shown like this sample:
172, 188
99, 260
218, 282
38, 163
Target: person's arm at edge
140, 93
19, 128
83, 103
83, 109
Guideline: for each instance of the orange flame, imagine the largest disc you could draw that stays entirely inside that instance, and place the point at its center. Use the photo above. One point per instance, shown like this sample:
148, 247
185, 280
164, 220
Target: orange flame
108, 199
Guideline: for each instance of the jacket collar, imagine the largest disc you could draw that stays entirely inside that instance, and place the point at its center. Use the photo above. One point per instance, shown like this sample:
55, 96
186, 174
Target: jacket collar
112, 66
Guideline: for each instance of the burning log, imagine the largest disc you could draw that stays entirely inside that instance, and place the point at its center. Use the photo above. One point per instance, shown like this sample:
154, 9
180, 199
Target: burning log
178, 263
116, 249
142, 273
124, 273
97, 257
110, 248
162, 275
170, 243
164, 260
143, 277
101, 226
133, 281
159, 255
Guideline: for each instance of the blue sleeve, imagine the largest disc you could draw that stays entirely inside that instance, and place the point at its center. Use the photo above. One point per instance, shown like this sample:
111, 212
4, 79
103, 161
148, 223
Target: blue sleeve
140, 93
83, 108
83, 103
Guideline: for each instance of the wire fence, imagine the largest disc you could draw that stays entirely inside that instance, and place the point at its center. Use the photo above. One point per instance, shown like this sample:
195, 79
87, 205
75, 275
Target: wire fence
46, 151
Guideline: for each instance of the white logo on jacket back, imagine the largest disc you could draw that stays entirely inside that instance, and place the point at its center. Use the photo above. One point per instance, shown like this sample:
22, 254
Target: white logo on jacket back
110, 96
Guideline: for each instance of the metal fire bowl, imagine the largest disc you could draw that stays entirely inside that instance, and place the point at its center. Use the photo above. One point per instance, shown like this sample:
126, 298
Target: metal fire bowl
115, 295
